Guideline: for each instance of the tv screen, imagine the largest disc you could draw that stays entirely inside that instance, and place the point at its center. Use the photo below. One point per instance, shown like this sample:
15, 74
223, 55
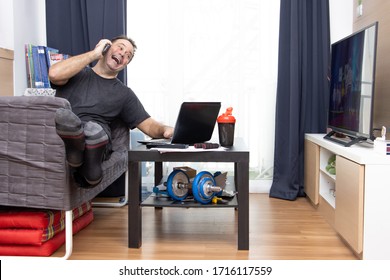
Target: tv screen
352, 77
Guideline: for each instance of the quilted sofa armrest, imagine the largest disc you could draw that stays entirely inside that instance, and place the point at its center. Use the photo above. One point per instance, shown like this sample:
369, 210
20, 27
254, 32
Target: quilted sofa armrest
33, 168
32, 155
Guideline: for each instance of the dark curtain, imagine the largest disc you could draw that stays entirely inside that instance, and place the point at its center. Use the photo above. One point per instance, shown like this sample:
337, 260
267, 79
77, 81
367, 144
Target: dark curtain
302, 89
76, 26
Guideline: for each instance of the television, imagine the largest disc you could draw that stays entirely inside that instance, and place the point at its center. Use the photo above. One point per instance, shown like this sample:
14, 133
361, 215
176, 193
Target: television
352, 79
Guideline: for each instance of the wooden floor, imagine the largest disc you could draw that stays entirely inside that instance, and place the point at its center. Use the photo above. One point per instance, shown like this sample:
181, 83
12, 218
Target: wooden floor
279, 230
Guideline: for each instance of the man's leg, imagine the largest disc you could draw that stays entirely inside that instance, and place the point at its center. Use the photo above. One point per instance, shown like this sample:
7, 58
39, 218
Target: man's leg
96, 141
69, 128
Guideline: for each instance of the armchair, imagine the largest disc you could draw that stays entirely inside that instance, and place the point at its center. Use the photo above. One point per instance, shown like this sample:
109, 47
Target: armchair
33, 168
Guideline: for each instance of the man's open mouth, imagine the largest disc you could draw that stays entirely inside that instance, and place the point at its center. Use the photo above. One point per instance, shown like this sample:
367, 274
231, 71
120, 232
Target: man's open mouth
117, 59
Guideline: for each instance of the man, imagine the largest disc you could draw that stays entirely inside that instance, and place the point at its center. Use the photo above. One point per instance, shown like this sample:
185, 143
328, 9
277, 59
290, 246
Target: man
98, 97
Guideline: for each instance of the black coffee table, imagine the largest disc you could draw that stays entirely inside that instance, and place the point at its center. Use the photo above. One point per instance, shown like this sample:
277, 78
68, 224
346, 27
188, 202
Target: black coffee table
238, 154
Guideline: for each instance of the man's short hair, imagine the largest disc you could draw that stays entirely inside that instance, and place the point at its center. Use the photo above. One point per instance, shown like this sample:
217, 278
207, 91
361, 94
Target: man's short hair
124, 37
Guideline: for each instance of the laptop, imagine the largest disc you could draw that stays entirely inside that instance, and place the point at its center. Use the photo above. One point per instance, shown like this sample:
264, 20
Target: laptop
195, 124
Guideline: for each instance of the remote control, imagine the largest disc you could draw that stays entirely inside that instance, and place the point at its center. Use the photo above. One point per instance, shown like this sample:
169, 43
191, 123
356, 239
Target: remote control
166, 146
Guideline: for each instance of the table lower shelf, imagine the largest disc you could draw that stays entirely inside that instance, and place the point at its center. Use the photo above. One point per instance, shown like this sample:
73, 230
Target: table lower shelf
159, 200
162, 201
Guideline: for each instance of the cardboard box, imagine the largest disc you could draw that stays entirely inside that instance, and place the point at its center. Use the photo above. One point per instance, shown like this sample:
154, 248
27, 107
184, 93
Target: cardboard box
6, 72
188, 170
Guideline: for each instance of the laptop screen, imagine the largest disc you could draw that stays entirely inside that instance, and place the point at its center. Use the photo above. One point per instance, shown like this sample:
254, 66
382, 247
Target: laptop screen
195, 122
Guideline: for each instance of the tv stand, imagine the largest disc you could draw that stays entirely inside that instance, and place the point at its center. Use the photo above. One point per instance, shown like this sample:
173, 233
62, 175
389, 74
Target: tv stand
332, 136
354, 199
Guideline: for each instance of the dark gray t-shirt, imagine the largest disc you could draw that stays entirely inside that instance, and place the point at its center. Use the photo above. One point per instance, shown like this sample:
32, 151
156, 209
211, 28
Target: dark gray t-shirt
101, 100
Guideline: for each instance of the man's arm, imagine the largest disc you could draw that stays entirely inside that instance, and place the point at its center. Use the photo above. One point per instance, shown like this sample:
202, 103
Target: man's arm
61, 72
155, 129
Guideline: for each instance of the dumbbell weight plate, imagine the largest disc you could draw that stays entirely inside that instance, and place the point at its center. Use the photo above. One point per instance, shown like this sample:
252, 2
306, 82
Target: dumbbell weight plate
174, 185
199, 187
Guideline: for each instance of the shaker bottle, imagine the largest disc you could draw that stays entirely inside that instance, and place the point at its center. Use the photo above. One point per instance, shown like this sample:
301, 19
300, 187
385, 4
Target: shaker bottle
226, 124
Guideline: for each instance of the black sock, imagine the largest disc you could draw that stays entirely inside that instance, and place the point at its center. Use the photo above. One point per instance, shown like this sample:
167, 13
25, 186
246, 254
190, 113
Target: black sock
69, 128
96, 141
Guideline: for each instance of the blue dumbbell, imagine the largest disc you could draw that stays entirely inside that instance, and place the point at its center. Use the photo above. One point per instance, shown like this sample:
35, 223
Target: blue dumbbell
204, 187
178, 185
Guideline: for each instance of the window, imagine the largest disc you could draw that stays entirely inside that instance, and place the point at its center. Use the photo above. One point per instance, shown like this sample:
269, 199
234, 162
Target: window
210, 50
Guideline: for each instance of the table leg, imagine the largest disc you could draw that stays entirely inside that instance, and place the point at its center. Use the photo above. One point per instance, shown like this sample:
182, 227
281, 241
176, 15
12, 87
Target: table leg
134, 207
158, 172
241, 175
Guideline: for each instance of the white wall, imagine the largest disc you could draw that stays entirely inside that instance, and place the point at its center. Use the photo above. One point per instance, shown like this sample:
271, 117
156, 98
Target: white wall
341, 19
29, 27
21, 22
6, 26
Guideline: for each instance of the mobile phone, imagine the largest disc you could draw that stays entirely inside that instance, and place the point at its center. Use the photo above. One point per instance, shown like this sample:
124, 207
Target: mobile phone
105, 49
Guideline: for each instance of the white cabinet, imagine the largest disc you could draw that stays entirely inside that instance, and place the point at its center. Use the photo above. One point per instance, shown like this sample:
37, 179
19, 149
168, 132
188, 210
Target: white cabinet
354, 200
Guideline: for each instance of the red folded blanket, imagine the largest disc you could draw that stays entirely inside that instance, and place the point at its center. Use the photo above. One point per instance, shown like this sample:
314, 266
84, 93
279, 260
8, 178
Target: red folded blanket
34, 226
15, 217
49, 247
